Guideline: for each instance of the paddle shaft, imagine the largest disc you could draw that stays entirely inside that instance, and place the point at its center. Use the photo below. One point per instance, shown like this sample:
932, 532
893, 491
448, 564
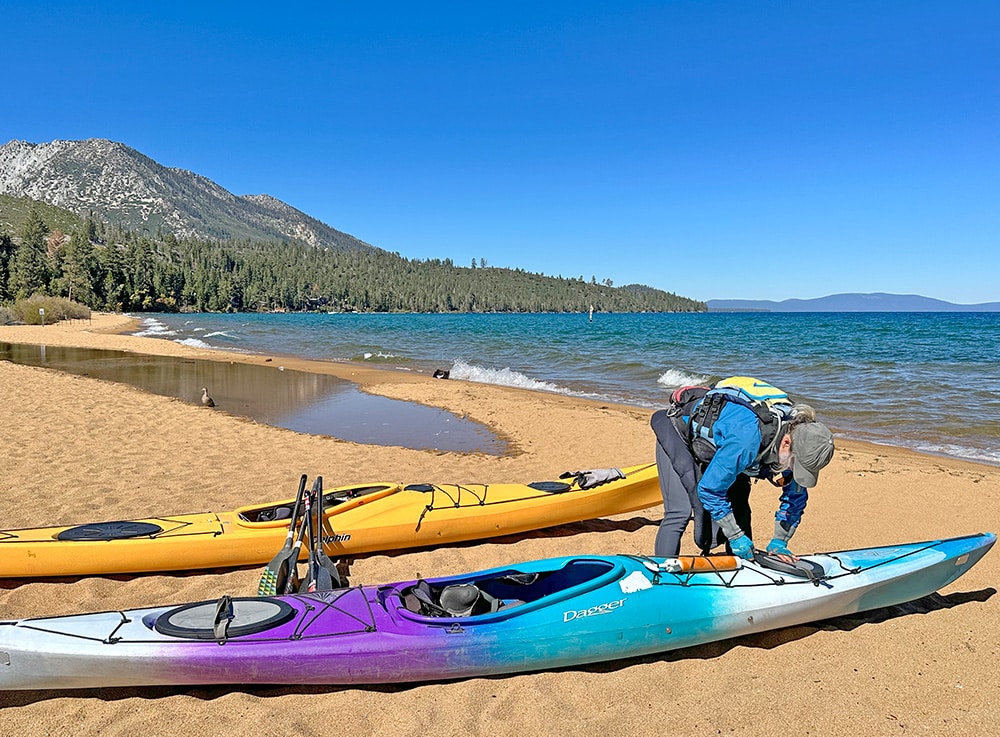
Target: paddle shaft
291, 584
330, 575
275, 573
315, 534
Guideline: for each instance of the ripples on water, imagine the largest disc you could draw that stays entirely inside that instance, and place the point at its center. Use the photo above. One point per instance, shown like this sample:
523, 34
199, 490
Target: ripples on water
927, 381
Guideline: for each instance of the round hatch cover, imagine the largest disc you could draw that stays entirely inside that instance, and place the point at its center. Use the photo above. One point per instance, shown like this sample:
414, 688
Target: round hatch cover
109, 531
246, 616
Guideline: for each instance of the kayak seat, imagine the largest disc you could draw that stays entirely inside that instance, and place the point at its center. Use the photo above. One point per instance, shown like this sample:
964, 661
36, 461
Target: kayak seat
467, 600
455, 600
420, 599
275, 513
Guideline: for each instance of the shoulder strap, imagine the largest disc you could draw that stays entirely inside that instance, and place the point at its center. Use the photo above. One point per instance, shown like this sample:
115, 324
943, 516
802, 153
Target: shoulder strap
706, 412
704, 416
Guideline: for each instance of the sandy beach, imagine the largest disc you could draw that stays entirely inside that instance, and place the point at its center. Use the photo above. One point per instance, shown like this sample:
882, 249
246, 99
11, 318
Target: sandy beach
78, 450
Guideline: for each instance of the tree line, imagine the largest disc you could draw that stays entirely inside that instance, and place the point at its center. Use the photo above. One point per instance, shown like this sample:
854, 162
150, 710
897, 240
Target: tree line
114, 268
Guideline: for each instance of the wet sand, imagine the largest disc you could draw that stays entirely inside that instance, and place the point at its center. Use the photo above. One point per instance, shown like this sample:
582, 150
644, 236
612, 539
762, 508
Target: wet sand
78, 449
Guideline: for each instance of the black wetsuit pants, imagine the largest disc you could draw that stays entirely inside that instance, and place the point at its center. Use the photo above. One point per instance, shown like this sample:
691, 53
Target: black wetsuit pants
679, 475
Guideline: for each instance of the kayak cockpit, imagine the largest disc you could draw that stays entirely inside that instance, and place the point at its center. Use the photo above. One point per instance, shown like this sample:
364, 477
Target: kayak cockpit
281, 511
499, 592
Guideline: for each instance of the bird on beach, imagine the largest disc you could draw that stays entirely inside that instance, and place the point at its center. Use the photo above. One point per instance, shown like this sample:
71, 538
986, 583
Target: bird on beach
205, 399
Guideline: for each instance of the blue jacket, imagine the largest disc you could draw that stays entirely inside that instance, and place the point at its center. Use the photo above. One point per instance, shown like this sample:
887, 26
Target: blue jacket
737, 440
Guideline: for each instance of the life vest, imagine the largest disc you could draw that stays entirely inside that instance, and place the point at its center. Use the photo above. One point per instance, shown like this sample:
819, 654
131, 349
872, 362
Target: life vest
696, 410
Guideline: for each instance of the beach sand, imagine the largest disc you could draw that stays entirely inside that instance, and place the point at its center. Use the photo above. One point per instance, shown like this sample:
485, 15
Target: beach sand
79, 450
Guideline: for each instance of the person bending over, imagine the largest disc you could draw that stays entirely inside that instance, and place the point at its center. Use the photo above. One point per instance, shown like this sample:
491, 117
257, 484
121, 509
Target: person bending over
712, 442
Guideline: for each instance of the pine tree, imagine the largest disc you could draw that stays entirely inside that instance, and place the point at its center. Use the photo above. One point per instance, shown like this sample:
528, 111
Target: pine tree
112, 291
29, 273
77, 282
6, 254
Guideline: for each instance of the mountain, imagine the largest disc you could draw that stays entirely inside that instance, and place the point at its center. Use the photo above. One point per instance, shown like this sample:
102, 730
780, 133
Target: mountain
852, 302
124, 187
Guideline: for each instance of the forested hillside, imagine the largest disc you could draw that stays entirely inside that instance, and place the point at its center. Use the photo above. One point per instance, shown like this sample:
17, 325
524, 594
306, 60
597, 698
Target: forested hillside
49, 251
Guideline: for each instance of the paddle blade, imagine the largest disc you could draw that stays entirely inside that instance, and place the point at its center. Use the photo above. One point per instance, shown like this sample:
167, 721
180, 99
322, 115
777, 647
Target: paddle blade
324, 581
268, 585
327, 575
275, 575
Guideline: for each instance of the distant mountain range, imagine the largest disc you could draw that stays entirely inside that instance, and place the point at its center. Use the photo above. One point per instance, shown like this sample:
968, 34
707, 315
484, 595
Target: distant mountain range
123, 187
854, 302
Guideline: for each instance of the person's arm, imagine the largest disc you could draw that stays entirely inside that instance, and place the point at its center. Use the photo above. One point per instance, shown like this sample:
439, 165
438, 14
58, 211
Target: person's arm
792, 504
786, 519
737, 442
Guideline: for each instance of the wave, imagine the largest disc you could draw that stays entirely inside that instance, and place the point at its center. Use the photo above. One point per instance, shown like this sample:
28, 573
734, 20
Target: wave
153, 328
221, 334
194, 343
502, 377
951, 450
376, 356
676, 378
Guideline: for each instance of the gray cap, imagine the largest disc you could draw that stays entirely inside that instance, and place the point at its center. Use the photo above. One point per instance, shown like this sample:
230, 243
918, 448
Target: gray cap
812, 449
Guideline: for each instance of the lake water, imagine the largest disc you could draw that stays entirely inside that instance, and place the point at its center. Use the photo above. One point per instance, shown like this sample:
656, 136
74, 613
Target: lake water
296, 400
925, 381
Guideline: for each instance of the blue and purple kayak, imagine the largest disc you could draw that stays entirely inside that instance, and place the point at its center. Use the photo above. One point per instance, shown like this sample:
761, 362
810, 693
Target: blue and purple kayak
533, 616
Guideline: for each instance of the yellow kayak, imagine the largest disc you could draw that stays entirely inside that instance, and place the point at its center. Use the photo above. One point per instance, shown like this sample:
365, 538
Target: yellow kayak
358, 519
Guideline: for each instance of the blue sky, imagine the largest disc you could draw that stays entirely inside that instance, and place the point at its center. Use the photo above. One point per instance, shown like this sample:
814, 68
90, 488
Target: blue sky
757, 149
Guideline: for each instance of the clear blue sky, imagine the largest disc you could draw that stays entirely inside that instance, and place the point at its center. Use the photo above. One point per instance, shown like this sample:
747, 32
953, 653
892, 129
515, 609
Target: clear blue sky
759, 149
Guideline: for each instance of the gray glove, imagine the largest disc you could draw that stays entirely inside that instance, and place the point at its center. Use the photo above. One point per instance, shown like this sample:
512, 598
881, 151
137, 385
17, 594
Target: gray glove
594, 477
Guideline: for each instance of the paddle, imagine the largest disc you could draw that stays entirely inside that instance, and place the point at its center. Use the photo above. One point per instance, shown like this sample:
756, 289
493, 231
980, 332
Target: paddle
327, 575
293, 583
272, 580
312, 565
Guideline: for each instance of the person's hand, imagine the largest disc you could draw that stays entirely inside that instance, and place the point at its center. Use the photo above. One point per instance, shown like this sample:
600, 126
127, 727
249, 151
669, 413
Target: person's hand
742, 546
779, 548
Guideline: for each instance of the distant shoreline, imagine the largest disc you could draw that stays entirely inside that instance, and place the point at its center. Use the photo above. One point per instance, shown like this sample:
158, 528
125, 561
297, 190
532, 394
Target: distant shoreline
850, 302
